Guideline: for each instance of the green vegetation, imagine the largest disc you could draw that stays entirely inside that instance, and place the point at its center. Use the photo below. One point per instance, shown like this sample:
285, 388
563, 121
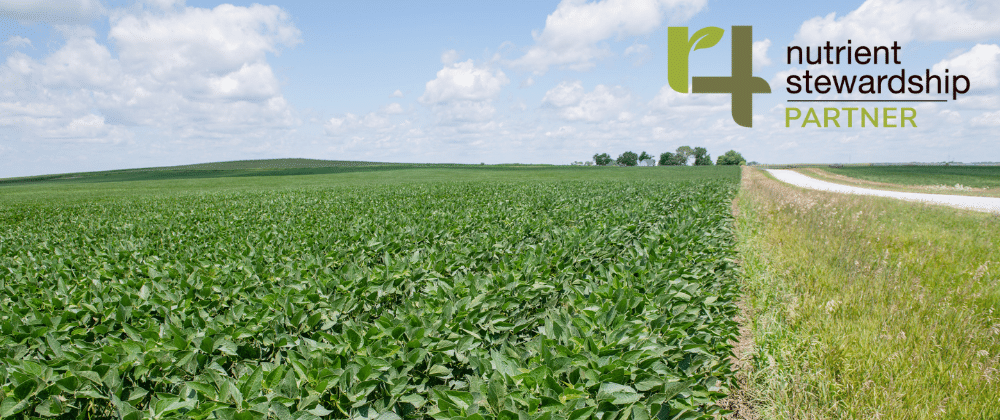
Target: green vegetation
701, 157
602, 159
680, 157
868, 308
280, 163
969, 176
416, 293
731, 157
242, 168
628, 159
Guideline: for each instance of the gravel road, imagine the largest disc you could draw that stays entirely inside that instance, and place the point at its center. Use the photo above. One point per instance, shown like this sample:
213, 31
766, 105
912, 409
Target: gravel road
985, 204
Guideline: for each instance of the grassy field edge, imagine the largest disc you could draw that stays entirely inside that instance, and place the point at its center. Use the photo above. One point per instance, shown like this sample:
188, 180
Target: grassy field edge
868, 308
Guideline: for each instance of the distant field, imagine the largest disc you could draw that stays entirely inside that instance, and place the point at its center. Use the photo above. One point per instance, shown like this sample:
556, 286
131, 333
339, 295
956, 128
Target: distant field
96, 186
969, 176
280, 164
242, 168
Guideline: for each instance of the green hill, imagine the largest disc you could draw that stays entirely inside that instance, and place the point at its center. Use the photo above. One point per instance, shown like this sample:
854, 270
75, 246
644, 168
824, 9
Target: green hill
236, 168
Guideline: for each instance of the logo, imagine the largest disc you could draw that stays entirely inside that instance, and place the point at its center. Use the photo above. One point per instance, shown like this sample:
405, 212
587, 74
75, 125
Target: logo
741, 84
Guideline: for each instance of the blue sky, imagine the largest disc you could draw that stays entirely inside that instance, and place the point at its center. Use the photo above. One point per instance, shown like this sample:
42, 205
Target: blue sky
94, 85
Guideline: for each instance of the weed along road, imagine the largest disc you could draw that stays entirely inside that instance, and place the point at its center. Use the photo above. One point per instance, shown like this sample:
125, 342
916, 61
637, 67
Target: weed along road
986, 204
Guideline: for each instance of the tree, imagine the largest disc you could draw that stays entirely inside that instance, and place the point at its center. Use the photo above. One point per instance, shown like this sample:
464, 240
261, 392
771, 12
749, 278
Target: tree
731, 158
683, 153
643, 156
701, 157
628, 159
602, 159
672, 159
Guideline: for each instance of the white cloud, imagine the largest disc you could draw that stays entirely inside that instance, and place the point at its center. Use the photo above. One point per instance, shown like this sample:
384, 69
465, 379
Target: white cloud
788, 145
982, 101
987, 119
981, 64
464, 112
574, 32
87, 125
449, 57
89, 128
253, 81
173, 45
56, 12
195, 73
602, 104
164, 4
373, 120
393, 108
563, 131
397, 94
564, 94
641, 53
760, 54
951, 116
76, 31
81, 63
464, 81
17, 42
381, 121
670, 102
880, 22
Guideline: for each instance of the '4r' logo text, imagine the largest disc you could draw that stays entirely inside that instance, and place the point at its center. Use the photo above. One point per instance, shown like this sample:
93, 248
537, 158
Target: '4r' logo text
741, 84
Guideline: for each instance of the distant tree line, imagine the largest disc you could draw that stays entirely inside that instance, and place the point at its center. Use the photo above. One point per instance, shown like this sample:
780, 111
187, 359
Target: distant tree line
679, 157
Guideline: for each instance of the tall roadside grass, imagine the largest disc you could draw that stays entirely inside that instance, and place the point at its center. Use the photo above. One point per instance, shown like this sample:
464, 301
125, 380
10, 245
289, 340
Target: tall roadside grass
866, 308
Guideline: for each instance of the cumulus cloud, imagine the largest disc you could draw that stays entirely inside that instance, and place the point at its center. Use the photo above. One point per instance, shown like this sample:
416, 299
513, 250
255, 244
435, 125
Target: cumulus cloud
164, 4
91, 129
393, 108
352, 125
462, 92
668, 101
465, 112
464, 81
760, 58
449, 57
981, 64
987, 119
925, 20
564, 94
349, 121
640, 54
81, 63
55, 12
602, 104
574, 32
17, 42
197, 73
253, 82
201, 40
563, 131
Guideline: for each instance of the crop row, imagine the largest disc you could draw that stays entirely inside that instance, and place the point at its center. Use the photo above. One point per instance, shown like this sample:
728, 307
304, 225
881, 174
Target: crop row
485, 300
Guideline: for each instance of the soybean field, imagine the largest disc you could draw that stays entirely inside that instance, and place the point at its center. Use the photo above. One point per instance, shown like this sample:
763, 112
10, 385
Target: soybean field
484, 297
970, 176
